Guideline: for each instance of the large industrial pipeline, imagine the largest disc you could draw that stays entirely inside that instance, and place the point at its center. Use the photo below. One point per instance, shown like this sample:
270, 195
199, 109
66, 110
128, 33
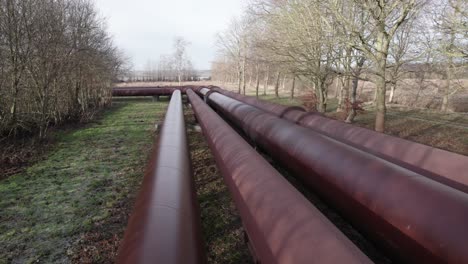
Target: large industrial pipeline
282, 226
149, 91
143, 91
165, 224
276, 109
440, 165
416, 218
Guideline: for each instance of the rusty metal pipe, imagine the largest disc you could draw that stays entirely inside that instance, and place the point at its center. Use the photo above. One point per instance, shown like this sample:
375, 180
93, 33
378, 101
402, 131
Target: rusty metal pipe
165, 224
143, 91
150, 91
443, 166
282, 226
419, 220
275, 109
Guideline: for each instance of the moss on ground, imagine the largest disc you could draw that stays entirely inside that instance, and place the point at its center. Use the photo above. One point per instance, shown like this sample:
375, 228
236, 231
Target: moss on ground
74, 204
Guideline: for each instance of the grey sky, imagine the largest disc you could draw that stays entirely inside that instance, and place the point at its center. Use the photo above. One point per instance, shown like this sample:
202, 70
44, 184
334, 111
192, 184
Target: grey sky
145, 29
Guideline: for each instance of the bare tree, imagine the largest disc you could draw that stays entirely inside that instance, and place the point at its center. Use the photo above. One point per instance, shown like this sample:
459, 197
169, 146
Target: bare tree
298, 35
57, 64
383, 18
15, 50
348, 42
451, 26
356, 73
181, 61
233, 43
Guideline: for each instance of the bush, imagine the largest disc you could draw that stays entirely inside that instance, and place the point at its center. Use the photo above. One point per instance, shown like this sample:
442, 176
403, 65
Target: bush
57, 63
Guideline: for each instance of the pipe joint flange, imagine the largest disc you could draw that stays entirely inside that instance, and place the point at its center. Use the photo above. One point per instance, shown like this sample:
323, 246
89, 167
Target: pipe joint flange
207, 95
291, 108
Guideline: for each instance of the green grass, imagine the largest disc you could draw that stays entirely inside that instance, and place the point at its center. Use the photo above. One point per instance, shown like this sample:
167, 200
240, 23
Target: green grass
332, 104
47, 209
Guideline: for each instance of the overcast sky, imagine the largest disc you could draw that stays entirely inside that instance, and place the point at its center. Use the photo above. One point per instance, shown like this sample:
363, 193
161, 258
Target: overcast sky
145, 29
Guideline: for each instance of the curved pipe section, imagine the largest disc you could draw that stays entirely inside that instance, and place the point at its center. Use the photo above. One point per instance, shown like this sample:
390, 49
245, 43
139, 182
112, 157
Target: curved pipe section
282, 226
418, 219
440, 165
165, 224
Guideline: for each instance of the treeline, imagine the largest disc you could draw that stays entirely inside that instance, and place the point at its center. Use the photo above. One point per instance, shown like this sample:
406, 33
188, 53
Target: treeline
164, 71
57, 63
160, 75
345, 42
176, 67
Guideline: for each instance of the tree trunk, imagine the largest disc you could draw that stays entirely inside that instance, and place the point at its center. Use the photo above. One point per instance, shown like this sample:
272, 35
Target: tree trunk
277, 84
380, 106
344, 93
357, 73
352, 113
445, 101
44, 122
239, 78
267, 80
346, 88
446, 97
447, 93
337, 88
392, 93
13, 110
257, 80
347, 82
381, 63
243, 75
320, 93
339, 108
293, 87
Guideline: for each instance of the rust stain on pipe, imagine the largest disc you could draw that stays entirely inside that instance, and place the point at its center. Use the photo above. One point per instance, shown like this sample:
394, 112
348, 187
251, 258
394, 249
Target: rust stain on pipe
165, 224
418, 219
282, 226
